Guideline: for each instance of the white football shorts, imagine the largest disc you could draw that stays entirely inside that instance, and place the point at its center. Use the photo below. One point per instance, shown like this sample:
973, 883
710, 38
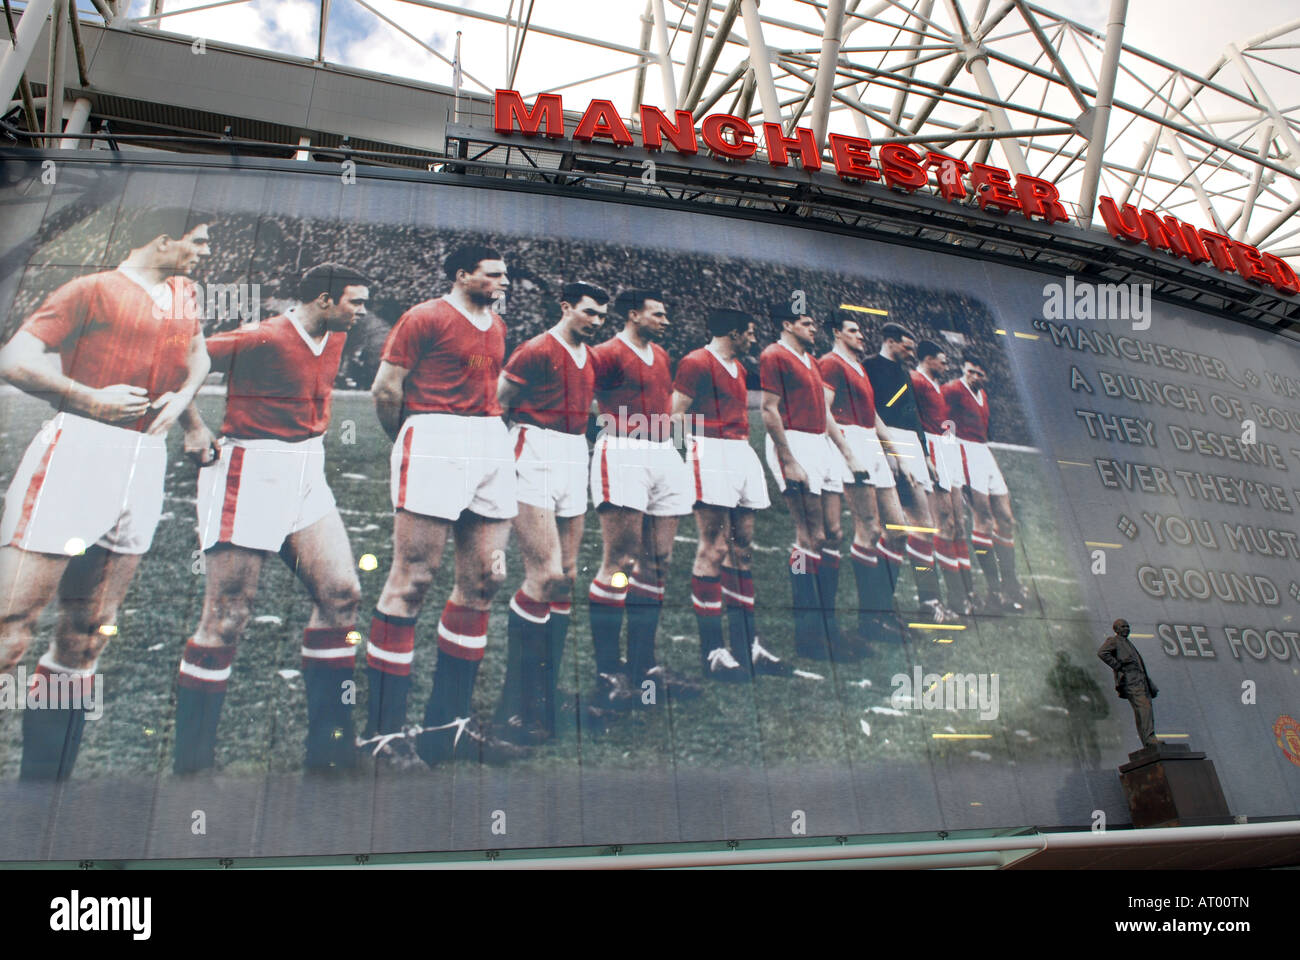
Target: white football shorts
644, 475
550, 469
944, 453
818, 457
905, 446
866, 447
727, 473
83, 482
260, 491
981, 470
444, 464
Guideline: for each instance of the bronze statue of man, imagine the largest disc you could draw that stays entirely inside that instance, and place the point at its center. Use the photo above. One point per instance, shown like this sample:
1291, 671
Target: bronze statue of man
1132, 682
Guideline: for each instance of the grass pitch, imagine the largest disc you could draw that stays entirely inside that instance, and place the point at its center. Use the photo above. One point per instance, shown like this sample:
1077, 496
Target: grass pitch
844, 716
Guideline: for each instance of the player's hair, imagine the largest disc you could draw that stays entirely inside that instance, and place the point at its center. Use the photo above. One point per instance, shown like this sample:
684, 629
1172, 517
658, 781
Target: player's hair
835, 322
331, 278
895, 331
928, 348
575, 290
781, 311
150, 223
467, 258
634, 299
722, 321
974, 360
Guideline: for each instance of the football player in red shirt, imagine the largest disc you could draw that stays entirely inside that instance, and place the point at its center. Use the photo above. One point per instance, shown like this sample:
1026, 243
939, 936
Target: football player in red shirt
546, 389
873, 496
710, 390
944, 454
266, 493
80, 513
640, 487
802, 440
453, 474
994, 526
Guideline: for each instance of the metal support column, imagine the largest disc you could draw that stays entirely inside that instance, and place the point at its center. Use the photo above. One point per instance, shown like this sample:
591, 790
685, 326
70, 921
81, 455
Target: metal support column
1101, 119
661, 54
827, 67
760, 60
13, 59
711, 55
54, 79
76, 124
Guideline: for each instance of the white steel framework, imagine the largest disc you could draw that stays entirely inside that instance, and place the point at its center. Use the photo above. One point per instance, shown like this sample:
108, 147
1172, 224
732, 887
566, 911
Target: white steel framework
1055, 97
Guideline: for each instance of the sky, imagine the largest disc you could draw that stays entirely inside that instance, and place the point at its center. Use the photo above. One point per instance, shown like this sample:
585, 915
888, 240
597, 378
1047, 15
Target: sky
1188, 33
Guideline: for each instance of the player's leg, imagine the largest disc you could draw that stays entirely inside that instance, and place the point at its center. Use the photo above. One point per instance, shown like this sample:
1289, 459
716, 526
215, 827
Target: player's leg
872, 580
418, 545
919, 549
1004, 548
645, 595
571, 530
981, 539
528, 623
828, 579
620, 532
462, 638
943, 549
961, 540
891, 551
28, 582
230, 586
322, 557
810, 638
711, 553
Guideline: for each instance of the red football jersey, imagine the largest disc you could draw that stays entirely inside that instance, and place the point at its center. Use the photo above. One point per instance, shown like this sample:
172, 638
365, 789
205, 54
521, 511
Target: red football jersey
280, 381
454, 365
930, 402
797, 380
627, 386
555, 392
109, 330
969, 413
718, 394
854, 403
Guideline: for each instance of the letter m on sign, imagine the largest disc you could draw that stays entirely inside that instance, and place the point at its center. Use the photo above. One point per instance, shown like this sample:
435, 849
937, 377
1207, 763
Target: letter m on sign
510, 110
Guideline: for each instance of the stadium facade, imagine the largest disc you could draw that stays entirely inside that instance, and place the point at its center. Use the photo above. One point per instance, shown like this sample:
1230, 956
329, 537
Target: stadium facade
1113, 290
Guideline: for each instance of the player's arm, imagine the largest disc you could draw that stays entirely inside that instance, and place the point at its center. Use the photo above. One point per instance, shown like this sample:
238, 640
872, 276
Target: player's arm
837, 437
171, 405
387, 393
771, 411
677, 418
508, 392
25, 363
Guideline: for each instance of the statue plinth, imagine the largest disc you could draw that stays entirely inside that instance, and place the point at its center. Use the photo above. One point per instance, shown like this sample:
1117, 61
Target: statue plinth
1170, 785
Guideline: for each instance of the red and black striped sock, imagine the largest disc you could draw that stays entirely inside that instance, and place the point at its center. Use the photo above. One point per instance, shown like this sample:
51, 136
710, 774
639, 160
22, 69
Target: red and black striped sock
58, 699
706, 598
328, 660
200, 692
605, 604
462, 638
645, 599
389, 653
